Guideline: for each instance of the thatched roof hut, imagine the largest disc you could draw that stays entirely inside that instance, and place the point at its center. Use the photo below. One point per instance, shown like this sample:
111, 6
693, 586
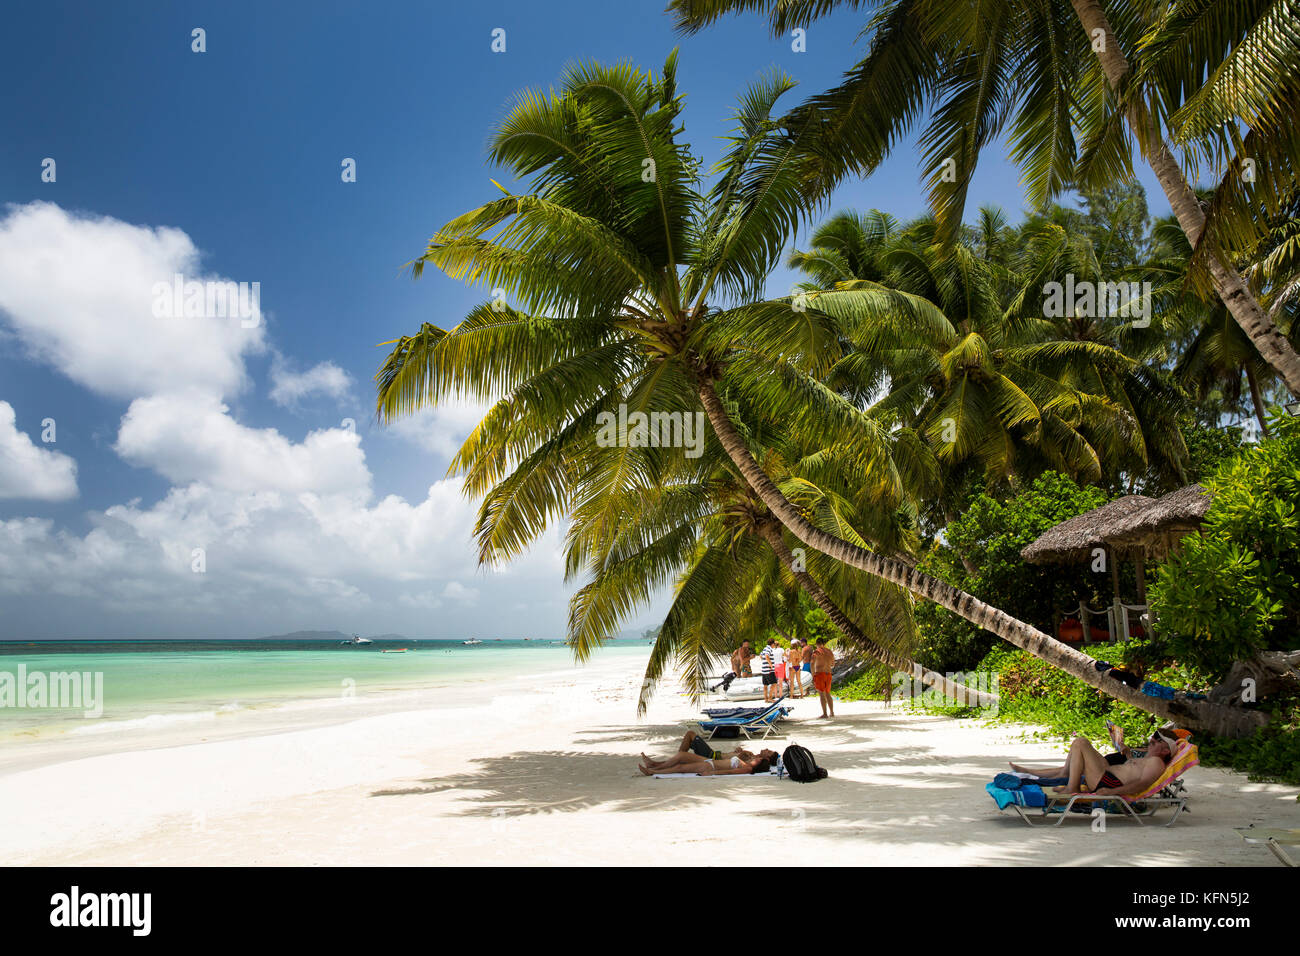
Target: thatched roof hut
1133, 527
1158, 529
1074, 540
1129, 524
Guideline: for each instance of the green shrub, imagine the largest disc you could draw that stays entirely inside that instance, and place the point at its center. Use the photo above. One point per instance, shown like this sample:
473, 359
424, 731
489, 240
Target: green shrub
1234, 588
873, 684
1032, 691
990, 535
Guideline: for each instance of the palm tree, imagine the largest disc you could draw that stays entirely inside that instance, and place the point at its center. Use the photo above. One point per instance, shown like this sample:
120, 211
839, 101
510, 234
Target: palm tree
619, 262
1051, 248
735, 575
1193, 73
1217, 363
1010, 397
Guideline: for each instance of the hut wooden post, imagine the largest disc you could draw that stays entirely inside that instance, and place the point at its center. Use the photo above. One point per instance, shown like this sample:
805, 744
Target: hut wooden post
1139, 565
1116, 611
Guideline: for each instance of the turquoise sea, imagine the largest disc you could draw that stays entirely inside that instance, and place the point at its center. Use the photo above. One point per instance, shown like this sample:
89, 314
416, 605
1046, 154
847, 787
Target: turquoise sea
154, 685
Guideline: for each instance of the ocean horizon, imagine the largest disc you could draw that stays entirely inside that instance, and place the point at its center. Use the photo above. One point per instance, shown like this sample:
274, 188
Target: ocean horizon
125, 685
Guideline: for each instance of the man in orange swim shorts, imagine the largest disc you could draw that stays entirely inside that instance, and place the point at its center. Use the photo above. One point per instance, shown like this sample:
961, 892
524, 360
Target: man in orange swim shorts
823, 659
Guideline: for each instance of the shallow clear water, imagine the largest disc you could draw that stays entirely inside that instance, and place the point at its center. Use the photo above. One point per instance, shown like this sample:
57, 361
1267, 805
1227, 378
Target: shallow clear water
172, 682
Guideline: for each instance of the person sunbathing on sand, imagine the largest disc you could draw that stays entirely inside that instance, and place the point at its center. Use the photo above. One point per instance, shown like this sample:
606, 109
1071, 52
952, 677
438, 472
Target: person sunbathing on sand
697, 744
688, 761
1133, 776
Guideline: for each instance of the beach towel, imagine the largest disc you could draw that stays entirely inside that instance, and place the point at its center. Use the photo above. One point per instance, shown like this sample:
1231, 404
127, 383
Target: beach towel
716, 776
1027, 795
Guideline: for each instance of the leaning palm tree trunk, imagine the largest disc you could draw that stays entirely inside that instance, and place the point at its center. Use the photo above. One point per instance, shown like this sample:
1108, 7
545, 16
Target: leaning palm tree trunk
1218, 719
949, 688
1256, 399
1228, 283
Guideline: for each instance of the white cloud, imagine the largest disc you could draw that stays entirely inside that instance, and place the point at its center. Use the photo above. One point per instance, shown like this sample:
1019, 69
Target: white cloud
291, 531
191, 437
456, 591
441, 430
78, 293
288, 388
29, 471
307, 557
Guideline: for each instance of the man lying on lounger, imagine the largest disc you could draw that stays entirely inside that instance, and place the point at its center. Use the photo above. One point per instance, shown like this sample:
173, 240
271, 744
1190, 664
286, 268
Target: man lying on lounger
1122, 752
1089, 772
695, 756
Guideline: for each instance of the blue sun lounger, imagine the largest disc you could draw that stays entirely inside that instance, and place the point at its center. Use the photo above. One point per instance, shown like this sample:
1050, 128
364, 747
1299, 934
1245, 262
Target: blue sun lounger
752, 726
720, 713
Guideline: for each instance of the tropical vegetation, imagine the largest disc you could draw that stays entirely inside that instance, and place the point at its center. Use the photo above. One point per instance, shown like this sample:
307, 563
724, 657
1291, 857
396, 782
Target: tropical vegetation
882, 441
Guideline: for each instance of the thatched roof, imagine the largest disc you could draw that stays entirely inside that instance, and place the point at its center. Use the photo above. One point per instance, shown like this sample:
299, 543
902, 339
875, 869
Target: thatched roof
1074, 540
1132, 523
1179, 511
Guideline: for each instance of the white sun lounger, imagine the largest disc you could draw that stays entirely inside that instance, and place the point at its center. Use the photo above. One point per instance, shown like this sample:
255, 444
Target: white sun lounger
1274, 839
1168, 791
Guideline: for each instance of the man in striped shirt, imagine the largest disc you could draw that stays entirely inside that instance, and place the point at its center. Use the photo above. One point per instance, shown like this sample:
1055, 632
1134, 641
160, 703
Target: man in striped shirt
769, 670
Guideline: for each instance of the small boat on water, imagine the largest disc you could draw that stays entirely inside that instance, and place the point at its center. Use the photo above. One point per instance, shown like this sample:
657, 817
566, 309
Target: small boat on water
356, 640
395, 650
471, 641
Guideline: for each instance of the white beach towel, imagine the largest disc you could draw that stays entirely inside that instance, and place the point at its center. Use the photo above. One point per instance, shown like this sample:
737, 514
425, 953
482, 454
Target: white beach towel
715, 776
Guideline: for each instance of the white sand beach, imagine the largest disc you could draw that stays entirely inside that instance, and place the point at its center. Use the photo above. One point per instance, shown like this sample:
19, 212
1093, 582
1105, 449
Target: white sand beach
543, 771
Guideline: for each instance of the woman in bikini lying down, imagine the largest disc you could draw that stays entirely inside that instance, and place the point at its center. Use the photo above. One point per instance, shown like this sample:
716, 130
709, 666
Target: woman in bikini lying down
688, 761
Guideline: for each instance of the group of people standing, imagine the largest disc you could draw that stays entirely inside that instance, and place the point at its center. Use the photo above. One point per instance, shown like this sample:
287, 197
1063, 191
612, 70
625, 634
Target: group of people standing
784, 670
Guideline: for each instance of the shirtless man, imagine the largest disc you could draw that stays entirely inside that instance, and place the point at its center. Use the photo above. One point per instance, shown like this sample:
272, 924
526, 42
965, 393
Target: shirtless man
1089, 772
1122, 754
823, 659
740, 659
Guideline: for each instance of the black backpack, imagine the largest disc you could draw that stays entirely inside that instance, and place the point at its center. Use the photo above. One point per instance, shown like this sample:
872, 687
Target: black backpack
800, 765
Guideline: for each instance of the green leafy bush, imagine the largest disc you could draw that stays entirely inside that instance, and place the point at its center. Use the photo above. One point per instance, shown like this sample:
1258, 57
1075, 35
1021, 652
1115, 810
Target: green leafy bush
1033, 692
1208, 448
1234, 588
989, 536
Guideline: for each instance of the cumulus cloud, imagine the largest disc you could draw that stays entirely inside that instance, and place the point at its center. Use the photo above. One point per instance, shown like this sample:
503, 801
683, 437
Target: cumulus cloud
29, 471
78, 292
191, 437
304, 555
288, 388
441, 430
287, 531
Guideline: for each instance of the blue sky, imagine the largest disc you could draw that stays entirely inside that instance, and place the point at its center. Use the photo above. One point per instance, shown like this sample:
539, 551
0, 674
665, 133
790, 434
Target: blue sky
206, 441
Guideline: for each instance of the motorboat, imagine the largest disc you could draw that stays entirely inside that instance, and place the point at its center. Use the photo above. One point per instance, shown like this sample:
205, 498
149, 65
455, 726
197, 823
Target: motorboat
356, 640
471, 641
